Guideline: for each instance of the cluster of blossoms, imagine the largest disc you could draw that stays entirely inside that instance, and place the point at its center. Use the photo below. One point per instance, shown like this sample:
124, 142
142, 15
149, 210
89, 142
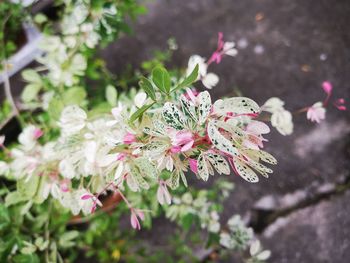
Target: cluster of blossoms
170, 135
108, 153
84, 25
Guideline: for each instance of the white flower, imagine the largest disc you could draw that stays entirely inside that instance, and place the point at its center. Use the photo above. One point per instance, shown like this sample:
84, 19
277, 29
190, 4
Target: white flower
140, 99
282, 121
209, 80
229, 49
72, 120
316, 112
28, 137
4, 167
66, 169
273, 104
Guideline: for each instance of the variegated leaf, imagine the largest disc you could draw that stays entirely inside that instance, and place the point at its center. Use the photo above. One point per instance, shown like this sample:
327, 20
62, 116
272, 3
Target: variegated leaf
183, 178
203, 171
236, 105
173, 181
262, 169
259, 155
132, 184
219, 163
204, 106
146, 168
140, 181
245, 172
173, 116
188, 108
219, 141
238, 135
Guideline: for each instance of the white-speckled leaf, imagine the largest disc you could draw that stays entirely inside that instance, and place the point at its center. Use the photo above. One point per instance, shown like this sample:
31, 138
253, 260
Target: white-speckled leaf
146, 168
138, 178
260, 155
183, 178
238, 135
132, 184
245, 172
219, 141
219, 163
204, 106
173, 116
188, 108
236, 105
173, 181
262, 169
203, 171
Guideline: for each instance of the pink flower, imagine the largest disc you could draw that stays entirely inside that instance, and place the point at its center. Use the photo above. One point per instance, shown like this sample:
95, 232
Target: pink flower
339, 104
64, 185
327, 87
136, 214
223, 48
255, 129
163, 194
191, 95
37, 133
182, 141
129, 138
316, 112
193, 165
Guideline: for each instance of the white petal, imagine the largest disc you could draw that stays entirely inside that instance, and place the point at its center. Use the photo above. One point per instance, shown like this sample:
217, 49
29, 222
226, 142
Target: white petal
210, 80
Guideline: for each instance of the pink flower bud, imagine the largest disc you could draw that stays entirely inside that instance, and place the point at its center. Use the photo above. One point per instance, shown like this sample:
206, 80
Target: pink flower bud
327, 87
129, 138
37, 133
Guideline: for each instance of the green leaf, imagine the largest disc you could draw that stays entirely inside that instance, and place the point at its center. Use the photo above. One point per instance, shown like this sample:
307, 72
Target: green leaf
147, 86
74, 96
30, 92
55, 107
28, 188
40, 18
22, 258
14, 198
188, 80
161, 79
31, 75
187, 221
111, 95
137, 114
66, 239
4, 217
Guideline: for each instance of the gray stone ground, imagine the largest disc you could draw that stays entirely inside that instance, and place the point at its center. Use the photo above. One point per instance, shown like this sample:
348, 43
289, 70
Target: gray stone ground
303, 43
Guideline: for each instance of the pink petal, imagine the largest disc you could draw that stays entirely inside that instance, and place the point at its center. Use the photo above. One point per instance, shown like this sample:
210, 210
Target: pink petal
341, 107
129, 138
134, 221
38, 133
193, 165
220, 40
160, 195
187, 146
327, 87
86, 196
140, 214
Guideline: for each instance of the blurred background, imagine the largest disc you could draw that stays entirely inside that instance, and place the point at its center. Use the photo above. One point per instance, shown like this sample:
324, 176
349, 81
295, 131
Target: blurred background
286, 48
